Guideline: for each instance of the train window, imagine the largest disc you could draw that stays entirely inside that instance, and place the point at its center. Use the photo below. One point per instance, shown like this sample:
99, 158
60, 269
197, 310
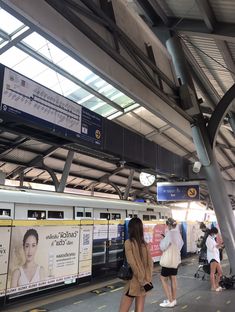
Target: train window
105, 215
145, 217
37, 214
5, 212
55, 215
153, 217
79, 214
132, 216
88, 214
116, 216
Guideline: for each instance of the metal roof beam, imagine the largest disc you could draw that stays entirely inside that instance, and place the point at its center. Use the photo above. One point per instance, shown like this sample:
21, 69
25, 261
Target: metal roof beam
66, 170
207, 14
154, 11
5, 35
160, 132
14, 41
34, 162
148, 9
192, 27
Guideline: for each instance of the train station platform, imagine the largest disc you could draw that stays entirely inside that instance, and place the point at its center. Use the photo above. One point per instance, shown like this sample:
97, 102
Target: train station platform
193, 294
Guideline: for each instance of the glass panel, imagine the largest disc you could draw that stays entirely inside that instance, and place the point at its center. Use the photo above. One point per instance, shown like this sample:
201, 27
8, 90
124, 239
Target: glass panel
55, 215
12, 57
8, 23
37, 214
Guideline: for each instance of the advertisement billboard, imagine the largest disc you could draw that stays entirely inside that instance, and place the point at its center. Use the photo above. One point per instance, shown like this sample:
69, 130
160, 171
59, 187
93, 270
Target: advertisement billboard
85, 253
5, 232
152, 235
42, 255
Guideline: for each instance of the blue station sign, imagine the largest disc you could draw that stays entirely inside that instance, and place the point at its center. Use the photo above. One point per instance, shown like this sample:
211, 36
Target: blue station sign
182, 191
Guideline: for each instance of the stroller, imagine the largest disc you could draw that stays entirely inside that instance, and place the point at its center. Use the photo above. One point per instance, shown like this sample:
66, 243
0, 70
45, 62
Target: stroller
203, 266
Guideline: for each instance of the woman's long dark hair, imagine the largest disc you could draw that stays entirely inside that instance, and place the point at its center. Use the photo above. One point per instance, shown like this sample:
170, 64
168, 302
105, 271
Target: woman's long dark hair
136, 232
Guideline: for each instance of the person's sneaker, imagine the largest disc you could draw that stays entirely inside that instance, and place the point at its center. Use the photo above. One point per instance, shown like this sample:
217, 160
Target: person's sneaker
219, 289
167, 304
175, 302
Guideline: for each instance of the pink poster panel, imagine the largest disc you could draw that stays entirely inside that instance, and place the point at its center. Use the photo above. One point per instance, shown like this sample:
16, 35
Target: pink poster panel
152, 235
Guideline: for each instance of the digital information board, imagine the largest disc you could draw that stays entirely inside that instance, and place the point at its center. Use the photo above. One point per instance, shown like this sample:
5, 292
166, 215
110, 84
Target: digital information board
41, 107
183, 191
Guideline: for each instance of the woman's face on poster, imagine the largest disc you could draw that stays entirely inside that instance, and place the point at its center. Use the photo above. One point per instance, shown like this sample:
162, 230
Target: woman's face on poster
30, 248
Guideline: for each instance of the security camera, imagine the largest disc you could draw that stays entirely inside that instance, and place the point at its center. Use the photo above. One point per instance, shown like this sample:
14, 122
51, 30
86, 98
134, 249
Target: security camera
197, 167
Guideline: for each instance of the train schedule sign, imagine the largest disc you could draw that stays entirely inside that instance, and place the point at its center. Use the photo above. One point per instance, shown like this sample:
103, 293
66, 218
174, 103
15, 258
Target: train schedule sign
180, 191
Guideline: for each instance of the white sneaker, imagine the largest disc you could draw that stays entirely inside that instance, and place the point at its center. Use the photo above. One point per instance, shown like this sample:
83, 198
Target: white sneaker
175, 302
167, 304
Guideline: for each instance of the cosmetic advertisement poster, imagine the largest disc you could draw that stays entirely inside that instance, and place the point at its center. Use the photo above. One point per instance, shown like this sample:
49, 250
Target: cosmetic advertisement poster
4, 252
153, 233
42, 255
85, 253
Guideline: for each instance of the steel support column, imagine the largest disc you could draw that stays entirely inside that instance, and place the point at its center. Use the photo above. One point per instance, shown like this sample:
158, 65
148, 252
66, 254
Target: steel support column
128, 186
66, 171
187, 89
215, 181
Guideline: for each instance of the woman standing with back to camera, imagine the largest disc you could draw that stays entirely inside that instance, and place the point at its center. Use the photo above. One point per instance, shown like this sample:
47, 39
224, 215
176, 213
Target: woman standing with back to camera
171, 246
140, 260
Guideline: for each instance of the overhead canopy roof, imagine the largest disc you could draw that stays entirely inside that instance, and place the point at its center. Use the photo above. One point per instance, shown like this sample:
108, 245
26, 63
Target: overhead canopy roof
25, 50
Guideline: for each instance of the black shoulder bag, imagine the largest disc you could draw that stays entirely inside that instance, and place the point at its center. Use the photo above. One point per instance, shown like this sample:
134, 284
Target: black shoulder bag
125, 272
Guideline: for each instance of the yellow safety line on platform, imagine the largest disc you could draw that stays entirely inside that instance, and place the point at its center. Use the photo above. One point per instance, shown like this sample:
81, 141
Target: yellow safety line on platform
102, 294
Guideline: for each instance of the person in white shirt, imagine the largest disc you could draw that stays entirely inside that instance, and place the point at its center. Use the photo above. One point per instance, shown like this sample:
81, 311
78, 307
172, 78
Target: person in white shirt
213, 258
174, 241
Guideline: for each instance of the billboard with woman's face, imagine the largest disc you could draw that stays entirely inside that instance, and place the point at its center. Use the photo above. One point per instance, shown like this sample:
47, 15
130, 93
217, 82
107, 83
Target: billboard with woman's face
42, 255
5, 232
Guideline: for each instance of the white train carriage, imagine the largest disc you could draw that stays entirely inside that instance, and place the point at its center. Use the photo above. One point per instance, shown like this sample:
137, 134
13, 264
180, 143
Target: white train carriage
33, 204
